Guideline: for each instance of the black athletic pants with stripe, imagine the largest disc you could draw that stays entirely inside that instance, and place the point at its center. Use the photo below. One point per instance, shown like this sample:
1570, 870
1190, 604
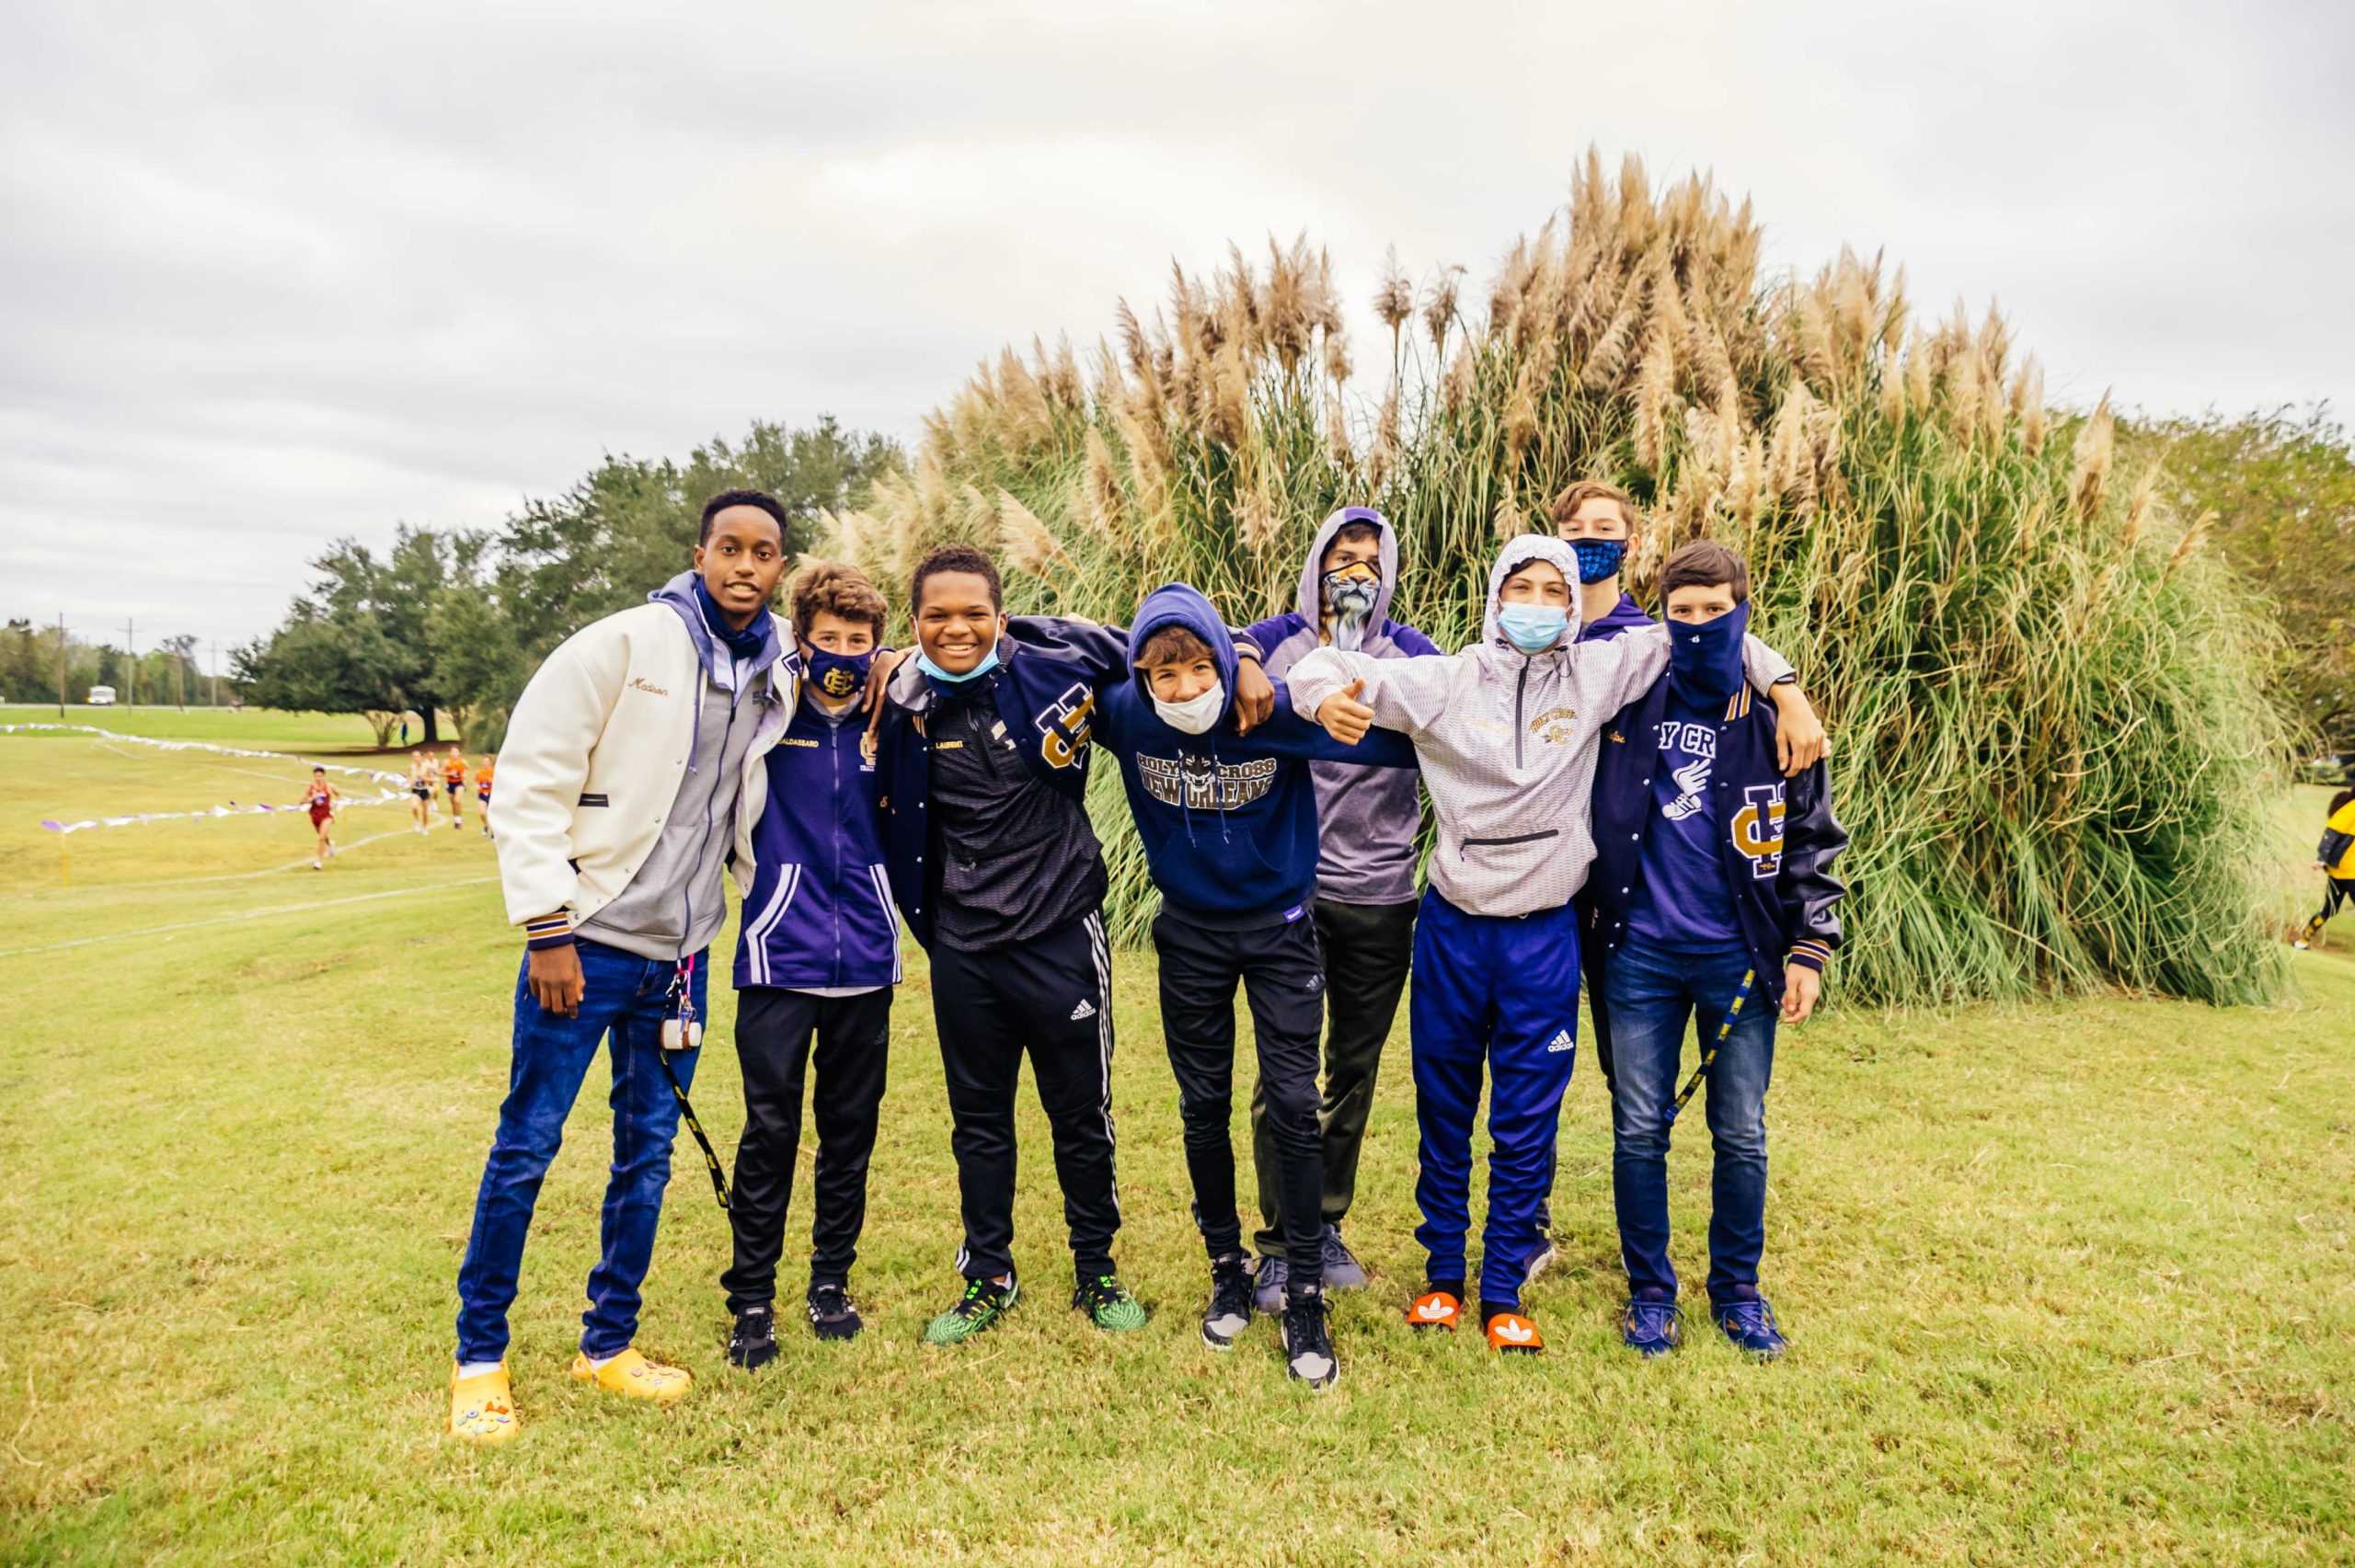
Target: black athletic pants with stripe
1282, 975
773, 1031
1053, 997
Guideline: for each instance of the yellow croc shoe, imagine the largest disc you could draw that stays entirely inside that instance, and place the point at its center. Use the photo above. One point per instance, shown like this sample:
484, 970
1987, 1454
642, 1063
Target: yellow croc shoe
632, 1374
482, 1410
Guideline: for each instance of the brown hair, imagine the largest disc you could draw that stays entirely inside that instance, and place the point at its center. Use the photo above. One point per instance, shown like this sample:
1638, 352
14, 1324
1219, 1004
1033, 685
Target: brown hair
1565, 505
830, 588
1705, 563
1171, 644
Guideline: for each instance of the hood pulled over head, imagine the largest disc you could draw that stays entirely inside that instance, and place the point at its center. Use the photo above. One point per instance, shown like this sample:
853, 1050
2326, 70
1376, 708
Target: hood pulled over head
1179, 604
1518, 552
1312, 572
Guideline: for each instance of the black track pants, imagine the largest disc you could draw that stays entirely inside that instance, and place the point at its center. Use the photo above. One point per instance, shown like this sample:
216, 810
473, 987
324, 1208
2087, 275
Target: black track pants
1051, 996
1284, 978
1367, 949
775, 1030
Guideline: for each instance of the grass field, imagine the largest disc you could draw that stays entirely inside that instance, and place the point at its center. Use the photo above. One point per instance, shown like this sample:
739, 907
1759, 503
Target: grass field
2064, 1283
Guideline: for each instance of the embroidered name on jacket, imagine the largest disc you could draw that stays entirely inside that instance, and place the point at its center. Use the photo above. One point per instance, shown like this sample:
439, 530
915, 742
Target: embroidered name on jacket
1063, 726
1757, 828
1553, 725
1199, 785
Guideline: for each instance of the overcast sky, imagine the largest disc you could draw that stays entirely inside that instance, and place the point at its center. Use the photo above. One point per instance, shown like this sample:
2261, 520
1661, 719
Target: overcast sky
271, 274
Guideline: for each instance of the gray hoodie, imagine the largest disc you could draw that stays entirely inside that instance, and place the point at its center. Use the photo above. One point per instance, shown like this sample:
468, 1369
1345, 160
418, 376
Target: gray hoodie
673, 905
1367, 817
1506, 740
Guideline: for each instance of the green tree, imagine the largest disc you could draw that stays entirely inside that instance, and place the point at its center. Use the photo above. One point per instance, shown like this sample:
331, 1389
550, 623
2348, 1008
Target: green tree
628, 525
357, 643
2281, 486
477, 666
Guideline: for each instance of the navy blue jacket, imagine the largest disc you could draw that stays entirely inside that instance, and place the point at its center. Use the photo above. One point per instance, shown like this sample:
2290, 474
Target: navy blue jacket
1050, 671
819, 911
1778, 837
1228, 821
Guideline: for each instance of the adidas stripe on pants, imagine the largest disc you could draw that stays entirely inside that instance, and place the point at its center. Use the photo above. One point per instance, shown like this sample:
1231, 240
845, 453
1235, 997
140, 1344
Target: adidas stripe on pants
1053, 997
1498, 992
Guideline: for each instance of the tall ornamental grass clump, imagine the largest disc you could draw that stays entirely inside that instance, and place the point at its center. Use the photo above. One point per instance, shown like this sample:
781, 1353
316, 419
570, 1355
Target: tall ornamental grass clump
2052, 741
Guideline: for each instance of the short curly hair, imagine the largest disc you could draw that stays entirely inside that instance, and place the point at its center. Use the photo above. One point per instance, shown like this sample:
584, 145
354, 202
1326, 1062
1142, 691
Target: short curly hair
954, 558
832, 588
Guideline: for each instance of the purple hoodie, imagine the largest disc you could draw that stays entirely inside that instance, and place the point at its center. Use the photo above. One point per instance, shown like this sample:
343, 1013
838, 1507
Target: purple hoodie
1367, 817
1625, 615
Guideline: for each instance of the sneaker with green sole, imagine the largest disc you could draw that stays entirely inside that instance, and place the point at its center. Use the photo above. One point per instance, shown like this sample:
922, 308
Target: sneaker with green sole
1107, 1304
983, 1303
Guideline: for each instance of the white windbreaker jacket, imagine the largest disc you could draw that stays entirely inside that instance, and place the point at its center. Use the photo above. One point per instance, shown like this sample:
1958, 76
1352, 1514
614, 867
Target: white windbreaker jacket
592, 759
1506, 740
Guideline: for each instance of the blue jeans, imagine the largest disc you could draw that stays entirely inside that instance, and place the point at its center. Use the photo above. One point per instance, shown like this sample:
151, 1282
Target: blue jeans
627, 996
1652, 992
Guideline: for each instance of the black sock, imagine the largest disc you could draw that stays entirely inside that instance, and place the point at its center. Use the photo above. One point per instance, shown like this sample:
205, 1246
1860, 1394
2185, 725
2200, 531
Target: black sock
1491, 1311
1452, 1286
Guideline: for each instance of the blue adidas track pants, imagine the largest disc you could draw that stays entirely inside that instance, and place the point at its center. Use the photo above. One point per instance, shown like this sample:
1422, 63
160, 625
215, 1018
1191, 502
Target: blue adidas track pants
1498, 992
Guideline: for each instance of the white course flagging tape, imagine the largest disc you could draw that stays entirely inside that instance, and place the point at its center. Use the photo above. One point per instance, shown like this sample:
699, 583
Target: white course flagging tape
246, 915
231, 808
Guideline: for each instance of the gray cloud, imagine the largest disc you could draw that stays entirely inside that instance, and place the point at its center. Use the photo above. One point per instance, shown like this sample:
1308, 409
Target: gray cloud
289, 273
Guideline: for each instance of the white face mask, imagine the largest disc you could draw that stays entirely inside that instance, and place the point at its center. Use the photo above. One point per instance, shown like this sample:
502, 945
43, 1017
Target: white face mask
1195, 714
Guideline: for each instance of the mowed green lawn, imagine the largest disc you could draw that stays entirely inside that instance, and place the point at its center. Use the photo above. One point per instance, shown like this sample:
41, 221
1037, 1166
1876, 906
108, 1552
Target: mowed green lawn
2065, 1282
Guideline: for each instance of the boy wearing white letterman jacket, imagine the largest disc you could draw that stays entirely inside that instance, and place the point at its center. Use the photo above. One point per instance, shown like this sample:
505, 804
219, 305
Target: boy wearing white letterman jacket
632, 773
1506, 733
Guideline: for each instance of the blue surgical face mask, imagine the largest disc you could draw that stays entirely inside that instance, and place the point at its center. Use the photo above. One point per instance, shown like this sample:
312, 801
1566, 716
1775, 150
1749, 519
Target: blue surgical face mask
1705, 660
1533, 628
923, 662
1598, 558
835, 676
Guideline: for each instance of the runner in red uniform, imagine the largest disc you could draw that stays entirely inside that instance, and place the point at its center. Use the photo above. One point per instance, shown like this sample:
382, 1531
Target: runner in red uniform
321, 799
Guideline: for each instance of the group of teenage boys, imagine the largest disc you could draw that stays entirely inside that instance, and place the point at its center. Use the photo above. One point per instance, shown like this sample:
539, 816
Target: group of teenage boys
1608, 791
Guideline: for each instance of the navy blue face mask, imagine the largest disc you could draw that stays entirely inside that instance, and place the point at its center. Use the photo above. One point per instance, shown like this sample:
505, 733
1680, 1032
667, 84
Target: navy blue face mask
1598, 558
835, 676
1705, 660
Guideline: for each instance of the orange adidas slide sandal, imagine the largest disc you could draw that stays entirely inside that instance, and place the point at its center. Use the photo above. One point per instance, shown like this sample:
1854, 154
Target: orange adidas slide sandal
1511, 1332
1435, 1309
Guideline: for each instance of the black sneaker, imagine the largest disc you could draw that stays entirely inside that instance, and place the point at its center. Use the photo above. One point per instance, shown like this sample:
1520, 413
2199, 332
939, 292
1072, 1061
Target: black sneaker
1308, 1342
1107, 1304
831, 1313
752, 1343
1229, 1313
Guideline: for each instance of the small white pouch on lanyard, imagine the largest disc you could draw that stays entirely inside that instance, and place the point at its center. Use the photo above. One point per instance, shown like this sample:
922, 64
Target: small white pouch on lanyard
682, 1031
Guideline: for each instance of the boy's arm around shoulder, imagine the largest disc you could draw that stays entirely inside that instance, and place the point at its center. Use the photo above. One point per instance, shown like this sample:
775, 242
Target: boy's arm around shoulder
541, 767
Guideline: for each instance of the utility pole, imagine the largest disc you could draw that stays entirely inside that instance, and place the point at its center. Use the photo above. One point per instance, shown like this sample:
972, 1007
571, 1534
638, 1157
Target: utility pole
180, 678
130, 659
61, 664
216, 672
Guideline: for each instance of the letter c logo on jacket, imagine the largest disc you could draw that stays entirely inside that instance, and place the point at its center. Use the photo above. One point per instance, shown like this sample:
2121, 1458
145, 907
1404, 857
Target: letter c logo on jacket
1063, 726
1757, 828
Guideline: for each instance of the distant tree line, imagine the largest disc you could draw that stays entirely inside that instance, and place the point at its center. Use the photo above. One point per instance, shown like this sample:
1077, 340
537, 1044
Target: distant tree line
173, 671
454, 620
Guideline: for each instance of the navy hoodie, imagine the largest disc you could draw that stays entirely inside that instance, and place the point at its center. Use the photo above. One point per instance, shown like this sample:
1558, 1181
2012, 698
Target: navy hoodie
1228, 821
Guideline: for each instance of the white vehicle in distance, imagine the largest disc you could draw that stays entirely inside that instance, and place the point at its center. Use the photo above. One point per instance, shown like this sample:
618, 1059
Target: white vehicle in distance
100, 697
